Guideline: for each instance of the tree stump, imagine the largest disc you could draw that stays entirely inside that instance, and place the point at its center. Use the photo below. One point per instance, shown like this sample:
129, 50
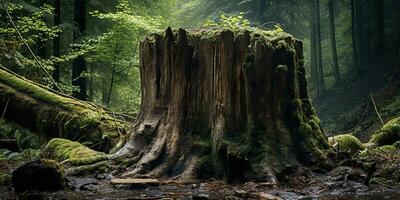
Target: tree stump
221, 104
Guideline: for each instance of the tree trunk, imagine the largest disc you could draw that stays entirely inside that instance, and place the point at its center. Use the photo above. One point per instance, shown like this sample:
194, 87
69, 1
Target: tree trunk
354, 35
262, 9
223, 106
79, 65
380, 27
335, 67
52, 115
321, 89
41, 45
359, 32
56, 40
313, 42
397, 10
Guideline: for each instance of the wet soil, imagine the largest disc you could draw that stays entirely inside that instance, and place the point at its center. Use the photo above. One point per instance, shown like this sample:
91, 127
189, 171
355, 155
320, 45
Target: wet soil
340, 183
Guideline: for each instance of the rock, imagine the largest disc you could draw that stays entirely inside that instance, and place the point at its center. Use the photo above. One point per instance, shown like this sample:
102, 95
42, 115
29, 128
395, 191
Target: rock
39, 175
346, 143
265, 196
136, 182
201, 197
5, 179
240, 193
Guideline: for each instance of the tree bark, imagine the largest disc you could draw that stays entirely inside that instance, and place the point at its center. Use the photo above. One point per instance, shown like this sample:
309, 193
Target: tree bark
79, 64
51, 115
335, 66
223, 106
56, 39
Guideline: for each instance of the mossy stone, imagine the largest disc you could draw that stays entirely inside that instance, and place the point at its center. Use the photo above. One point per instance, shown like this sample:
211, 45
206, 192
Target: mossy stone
76, 153
346, 143
39, 175
388, 134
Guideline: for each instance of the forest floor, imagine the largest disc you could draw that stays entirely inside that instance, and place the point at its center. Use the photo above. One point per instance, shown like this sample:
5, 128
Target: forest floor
348, 108
340, 183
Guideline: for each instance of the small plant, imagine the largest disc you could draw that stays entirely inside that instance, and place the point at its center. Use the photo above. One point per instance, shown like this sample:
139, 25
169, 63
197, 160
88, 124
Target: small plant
233, 22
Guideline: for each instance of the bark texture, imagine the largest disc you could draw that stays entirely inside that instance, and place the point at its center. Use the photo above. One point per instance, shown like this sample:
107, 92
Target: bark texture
224, 105
51, 115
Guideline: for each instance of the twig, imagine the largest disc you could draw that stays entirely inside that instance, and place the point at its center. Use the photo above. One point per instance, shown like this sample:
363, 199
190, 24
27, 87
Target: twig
29, 48
376, 110
5, 109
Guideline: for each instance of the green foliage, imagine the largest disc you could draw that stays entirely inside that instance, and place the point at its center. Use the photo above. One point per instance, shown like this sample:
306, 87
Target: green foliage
35, 31
25, 138
233, 22
114, 54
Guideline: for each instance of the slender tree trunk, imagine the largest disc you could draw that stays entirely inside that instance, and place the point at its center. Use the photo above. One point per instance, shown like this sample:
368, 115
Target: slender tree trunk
380, 20
42, 44
335, 68
359, 29
90, 83
79, 65
104, 89
354, 35
203, 114
321, 90
112, 74
397, 7
56, 40
313, 42
262, 9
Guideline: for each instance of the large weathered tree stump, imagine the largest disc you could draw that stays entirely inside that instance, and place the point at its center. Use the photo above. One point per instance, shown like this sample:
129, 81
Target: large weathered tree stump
224, 105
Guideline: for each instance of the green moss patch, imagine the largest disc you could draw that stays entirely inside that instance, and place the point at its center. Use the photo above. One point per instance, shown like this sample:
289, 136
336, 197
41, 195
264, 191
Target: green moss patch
346, 143
388, 134
76, 153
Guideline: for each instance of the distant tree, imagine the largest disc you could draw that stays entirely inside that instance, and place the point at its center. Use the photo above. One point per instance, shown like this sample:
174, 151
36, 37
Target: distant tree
397, 9
79, 64
262, 9
41, 44
354, 34
380, 26
321, 82
335, 66
313, 46
56, 39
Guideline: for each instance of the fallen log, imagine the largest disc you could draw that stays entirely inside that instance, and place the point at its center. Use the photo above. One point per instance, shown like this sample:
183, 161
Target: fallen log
52, 115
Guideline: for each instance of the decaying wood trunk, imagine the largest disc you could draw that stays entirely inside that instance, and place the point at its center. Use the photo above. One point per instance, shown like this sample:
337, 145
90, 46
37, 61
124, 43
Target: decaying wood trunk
223, 105
53, 115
